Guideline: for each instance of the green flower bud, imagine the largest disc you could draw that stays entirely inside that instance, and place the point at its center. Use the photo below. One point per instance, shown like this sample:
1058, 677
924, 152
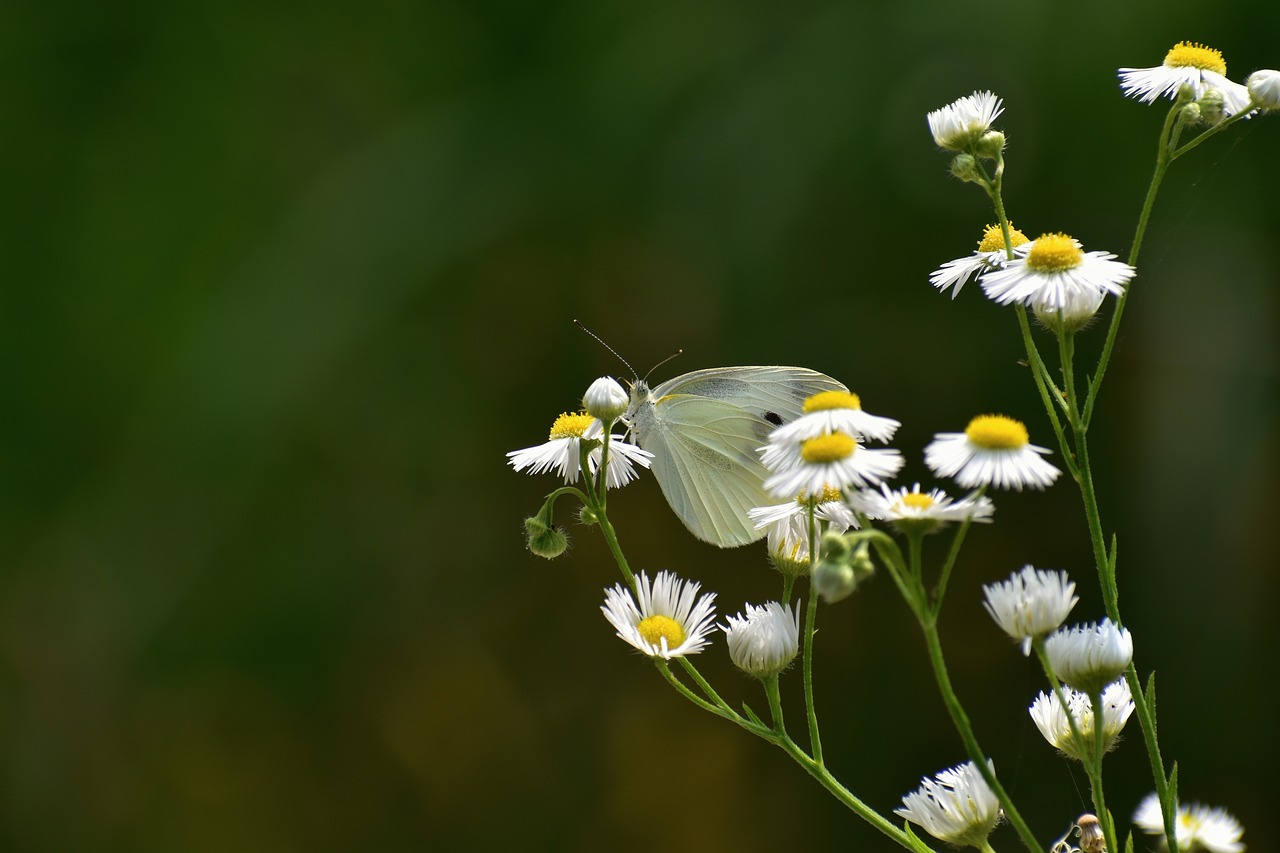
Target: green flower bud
544, 541
965, 167
990, 145
834, 581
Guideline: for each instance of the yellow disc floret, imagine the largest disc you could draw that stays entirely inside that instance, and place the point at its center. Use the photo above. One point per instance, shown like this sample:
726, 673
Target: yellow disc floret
654, 629
827, 495
993, 238
1189, 54
828, 448
997, 432
826, 400
1054, 253
570, 426
917, 500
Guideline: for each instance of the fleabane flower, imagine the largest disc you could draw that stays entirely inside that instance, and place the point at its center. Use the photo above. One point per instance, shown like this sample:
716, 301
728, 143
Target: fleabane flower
763, 642
561, 452
1057, 275
1050, 718
1264, 89
788, 527
910, 509
670, 620
606, 399
994, 450
1197, 827
836, 411
832, 461
960, 124
990, 255
1186, 64
1089, 657
956, 806
1030, 604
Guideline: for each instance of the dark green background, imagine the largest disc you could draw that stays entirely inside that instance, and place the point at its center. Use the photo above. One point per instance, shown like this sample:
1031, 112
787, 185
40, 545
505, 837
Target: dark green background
283, 283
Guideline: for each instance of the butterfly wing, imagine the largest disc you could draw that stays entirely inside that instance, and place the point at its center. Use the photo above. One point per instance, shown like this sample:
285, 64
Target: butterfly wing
705, 459
705, 429
760, 390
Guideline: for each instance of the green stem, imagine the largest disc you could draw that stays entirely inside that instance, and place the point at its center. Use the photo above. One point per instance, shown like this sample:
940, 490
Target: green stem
963, 726
810, 618
818, 771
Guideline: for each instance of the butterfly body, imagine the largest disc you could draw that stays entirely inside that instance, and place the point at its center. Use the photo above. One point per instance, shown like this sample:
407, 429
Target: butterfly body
705, 429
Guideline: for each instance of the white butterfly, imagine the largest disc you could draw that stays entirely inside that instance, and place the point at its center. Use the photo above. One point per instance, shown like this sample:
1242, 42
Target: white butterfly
704, 430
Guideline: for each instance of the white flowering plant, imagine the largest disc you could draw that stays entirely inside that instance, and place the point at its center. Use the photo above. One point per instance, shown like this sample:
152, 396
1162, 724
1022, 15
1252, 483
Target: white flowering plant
783, 454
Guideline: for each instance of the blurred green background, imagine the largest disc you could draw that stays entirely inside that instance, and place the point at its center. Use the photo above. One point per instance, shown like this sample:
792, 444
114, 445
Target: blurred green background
283, 284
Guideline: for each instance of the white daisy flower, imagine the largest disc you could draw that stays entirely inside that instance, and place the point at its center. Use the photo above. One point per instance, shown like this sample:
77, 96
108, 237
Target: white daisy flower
606, 399
1186, 64
1089, 657
912, 509
1197, 827
990, 255
962, 123
836, 411
1050, 718
764, 641
833, 461
560, 453
668, 622
788, 527
994, 450
1055, 274
956, 806
1030, 604
1264, 89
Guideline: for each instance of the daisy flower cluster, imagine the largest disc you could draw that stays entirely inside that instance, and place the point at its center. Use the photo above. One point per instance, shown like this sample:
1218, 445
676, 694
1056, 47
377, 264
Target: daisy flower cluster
1052, 275
1195, 69
604, 402
824, 448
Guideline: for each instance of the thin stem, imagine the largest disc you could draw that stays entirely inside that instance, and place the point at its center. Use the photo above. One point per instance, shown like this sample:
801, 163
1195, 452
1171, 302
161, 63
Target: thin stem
810, 618
963, 726
816, 769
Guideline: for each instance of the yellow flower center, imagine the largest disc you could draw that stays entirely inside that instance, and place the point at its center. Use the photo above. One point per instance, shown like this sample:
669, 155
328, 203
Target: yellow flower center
1054, 253
916, 500
993, 238
570, 426
655, 629
827, 448
826, 400
996, 432
827, 495
1189, 54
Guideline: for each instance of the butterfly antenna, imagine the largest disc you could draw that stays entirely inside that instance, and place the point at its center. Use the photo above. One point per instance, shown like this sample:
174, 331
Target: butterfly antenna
664, 361
600, 341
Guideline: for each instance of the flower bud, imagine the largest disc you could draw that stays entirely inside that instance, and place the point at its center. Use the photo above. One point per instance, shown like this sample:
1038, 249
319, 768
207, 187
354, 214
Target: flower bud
605, 399
1212, 107
965, 167
863, 566
547, 542
991, 144
1191, 114
1089, 657
1264, 88
834, 581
